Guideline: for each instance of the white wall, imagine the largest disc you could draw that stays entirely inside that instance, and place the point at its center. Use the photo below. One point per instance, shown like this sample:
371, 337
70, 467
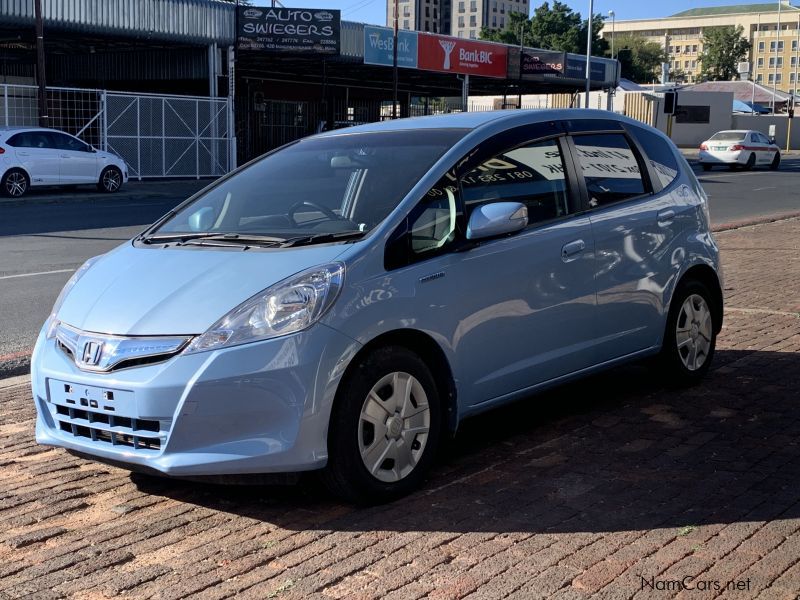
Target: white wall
690, 135
762, 122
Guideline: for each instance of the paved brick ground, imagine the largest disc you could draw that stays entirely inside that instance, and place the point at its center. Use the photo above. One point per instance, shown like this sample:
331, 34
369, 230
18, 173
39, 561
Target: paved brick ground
603, 488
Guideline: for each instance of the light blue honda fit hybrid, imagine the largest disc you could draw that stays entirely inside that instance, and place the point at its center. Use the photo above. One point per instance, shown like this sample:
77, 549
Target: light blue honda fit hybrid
341, 303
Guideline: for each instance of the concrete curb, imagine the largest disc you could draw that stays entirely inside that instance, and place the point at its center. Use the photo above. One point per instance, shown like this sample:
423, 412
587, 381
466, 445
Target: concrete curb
19, 364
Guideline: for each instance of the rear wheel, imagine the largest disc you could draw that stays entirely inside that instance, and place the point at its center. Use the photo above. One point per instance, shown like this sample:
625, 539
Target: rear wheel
690, 337
384, 429
776, 162
15, 183
751, 161
110, 180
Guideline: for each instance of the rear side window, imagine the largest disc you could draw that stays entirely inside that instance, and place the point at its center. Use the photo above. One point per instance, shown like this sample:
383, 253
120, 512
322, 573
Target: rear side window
609, 168
28, 139
659, 153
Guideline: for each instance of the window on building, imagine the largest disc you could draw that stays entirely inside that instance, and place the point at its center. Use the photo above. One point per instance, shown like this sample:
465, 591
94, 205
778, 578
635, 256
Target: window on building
670, 49
685, 63
794, 45
771, 78
791, 77
694, 46
778, 78
473, 6
473, 21
472, 34
760, 46
461, 24
461, 9
761, 62
794, 61
407, 26
759, 78
694, 64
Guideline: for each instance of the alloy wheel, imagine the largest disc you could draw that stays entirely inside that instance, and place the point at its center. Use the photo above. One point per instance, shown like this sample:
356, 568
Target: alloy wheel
693, 332
393, 427
16, 184
111, 180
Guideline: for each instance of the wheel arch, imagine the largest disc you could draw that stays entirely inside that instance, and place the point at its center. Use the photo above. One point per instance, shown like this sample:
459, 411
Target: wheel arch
708, 277
429, 351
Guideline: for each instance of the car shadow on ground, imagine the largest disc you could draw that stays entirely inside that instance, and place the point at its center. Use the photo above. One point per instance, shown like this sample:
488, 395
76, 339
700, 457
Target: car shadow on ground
615, 452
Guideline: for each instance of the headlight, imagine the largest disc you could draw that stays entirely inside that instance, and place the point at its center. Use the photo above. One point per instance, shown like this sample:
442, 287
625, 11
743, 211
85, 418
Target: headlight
287, 307
52, 321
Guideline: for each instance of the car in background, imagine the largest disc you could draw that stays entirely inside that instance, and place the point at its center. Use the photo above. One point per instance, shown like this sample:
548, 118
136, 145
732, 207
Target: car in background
341, 303
35, 156
739, 148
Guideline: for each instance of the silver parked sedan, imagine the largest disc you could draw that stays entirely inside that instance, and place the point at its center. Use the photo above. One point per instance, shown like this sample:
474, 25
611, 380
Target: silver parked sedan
341, 303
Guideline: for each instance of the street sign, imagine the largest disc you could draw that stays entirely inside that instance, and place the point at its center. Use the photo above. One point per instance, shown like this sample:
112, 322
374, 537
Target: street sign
379, 47
543, 62
468, 57
292, 30
576, 69
670, 102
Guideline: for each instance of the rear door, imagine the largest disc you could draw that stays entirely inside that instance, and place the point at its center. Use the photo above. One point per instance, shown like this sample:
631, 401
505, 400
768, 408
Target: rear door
35, 154
636, 229
78, 163
766, 149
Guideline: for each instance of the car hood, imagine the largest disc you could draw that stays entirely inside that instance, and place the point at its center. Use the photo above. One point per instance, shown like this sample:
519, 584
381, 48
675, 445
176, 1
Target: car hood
178, 291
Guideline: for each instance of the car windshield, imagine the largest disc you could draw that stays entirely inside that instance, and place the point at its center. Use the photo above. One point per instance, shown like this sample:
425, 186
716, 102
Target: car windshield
319, 188
728, 136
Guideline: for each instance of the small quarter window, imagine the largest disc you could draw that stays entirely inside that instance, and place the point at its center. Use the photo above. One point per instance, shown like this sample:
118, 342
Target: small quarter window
610, 168
659, 153
433, 223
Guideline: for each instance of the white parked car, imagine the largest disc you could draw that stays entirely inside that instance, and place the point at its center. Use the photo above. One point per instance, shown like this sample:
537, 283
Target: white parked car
739, 148
34, 156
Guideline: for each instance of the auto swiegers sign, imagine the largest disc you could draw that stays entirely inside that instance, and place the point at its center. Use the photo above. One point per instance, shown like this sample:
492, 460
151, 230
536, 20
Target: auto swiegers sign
454, 55
289, 30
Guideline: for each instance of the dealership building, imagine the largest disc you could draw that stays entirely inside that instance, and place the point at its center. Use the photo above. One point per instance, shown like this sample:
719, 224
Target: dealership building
193, 87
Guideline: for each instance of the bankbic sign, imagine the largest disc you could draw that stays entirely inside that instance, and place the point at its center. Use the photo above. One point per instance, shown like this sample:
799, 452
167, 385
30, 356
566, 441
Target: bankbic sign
454, 55
289, 30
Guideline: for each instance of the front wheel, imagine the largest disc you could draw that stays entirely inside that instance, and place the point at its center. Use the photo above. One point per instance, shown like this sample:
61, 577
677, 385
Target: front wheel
384, 429
110, 180
751, 161
776, 162
690, 337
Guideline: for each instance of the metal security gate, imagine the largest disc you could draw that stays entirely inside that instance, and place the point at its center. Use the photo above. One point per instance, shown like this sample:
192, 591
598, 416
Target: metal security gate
156, 135
169, 136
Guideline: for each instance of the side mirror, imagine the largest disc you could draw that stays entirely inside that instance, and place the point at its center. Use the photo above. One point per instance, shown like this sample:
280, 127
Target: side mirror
772, 140
497, 218
202, 219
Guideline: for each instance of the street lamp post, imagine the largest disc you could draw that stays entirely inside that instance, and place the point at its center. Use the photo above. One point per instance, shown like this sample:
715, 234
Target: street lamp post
611, 90
613, 21
44, 120
589, 38
777, 48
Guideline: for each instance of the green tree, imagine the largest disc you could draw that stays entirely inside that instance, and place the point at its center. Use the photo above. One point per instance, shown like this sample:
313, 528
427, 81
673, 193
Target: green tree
552, 28
723, 47
640, 60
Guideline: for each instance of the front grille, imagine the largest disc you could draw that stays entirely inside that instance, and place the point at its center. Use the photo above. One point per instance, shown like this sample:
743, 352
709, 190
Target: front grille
139, 434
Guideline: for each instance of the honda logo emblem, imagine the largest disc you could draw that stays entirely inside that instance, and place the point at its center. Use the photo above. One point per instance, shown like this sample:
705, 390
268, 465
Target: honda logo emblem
92, 351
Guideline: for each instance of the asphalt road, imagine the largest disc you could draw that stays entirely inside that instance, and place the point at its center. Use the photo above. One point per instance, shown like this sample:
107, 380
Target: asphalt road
42, 242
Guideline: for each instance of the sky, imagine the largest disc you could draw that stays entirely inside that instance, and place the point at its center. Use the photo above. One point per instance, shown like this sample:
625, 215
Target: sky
374, 11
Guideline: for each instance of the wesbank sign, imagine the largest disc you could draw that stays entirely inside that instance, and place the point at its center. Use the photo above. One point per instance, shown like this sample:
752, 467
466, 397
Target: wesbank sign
379, 47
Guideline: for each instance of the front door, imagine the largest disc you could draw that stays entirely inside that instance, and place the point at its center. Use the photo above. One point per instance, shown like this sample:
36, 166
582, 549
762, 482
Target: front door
520, 309
37, 157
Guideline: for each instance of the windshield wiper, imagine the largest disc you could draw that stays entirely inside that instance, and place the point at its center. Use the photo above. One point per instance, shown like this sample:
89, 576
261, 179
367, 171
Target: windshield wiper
322, 238
219, 238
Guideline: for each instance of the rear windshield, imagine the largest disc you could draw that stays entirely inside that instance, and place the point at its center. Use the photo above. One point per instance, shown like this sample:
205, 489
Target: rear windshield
728, 136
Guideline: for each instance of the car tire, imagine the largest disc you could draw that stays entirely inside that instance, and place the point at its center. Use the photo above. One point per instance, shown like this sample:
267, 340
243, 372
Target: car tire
15, 183
690, 336
776, 162
706, 166
368, 427
751, 162
110, 180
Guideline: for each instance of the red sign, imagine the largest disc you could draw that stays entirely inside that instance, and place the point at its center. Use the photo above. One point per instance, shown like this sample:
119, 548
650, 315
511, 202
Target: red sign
454, 55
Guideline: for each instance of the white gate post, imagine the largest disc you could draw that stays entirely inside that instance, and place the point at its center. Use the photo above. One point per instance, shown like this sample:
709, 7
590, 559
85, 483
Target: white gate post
104, 121
231, 111
5, 96
139, 136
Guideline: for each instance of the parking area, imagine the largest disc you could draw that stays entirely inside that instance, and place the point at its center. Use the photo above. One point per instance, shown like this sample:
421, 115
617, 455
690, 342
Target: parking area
616, 487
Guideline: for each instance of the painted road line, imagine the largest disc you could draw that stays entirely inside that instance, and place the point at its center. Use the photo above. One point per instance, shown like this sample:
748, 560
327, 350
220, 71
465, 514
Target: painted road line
35, 274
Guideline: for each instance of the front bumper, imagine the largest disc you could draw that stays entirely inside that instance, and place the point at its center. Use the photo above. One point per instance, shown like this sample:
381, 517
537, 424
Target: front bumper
257, 408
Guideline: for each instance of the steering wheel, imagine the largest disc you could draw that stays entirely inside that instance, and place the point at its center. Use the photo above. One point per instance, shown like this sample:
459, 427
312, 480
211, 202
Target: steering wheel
325, 211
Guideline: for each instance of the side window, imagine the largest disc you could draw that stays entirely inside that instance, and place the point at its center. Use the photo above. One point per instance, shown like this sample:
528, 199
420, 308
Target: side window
39, 139
65, 142
433, 222
659, 153
609, 167
19, 140
532, 174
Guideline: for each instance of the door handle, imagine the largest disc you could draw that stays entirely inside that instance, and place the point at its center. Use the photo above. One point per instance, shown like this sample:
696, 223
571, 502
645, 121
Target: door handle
665, 217
23, 154
64, 155
572, 249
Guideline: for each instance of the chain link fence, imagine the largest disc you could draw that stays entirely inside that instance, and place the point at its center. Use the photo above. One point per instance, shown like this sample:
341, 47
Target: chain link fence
157, 136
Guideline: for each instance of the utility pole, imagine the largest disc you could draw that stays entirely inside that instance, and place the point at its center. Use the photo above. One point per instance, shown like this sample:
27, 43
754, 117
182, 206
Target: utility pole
44, 119
589, 38
394, 57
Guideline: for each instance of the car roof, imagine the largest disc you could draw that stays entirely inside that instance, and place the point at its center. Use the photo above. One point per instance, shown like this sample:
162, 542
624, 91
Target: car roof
476, 120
